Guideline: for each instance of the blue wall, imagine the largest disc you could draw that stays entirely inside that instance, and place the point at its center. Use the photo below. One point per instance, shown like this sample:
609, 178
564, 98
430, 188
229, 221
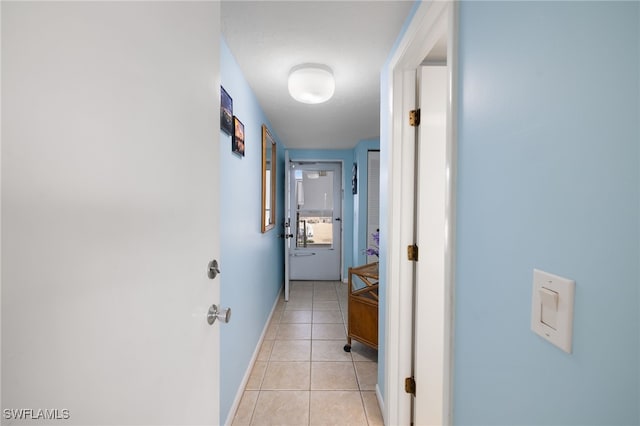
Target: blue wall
548, 177
251, 262
346, 156
360, 200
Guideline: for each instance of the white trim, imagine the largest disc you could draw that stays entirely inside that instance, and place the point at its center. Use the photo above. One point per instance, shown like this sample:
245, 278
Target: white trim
450, 210
247, 373
422, 34
381, 404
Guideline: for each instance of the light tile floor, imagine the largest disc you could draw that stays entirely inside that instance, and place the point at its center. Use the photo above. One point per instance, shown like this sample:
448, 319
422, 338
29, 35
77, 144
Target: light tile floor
302, 375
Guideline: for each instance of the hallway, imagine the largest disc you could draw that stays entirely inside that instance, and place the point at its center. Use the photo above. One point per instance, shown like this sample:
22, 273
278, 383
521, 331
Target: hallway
302, 375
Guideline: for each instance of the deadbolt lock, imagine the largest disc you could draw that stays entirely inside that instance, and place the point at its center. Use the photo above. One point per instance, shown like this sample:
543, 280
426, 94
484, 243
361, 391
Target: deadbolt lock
213, 269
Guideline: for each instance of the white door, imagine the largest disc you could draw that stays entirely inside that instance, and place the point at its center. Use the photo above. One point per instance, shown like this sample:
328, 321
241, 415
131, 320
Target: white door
110, 146
288, 233
431, 365
315, 208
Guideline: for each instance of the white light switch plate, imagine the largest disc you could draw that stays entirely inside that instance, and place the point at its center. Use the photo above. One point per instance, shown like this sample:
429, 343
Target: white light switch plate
562, 335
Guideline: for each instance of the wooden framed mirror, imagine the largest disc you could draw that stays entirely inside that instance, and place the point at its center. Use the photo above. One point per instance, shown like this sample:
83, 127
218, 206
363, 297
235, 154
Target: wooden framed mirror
268, 180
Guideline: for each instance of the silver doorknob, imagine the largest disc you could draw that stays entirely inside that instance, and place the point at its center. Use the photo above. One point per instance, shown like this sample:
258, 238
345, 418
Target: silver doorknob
213, 269
223, 314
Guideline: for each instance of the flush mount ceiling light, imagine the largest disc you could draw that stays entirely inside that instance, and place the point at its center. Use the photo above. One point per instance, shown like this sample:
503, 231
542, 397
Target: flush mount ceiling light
311, 83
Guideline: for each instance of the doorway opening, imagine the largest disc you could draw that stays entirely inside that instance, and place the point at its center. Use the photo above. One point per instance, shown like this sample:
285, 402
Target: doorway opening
313, 221
419, 294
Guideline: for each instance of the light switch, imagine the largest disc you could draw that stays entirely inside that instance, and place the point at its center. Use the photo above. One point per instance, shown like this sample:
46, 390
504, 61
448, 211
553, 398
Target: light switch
549, 306
552, 308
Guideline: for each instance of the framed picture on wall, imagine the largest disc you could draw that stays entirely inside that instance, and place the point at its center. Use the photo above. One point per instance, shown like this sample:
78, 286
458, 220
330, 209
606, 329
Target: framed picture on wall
237, 142
354, 178
226, 112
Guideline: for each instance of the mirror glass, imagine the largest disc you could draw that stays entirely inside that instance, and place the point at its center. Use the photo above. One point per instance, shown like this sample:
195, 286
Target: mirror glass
268, 180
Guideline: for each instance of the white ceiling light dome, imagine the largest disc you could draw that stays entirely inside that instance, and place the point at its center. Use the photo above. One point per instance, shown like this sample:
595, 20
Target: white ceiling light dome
311, 83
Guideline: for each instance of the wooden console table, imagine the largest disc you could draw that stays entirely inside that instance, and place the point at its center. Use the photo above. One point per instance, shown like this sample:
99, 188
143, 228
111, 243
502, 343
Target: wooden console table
363, 305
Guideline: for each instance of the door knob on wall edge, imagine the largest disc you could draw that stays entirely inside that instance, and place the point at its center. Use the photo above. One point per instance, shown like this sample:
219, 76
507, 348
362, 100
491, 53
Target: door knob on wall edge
222, 314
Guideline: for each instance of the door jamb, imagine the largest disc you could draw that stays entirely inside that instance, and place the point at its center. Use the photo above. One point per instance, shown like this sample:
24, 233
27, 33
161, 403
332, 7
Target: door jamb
413, 48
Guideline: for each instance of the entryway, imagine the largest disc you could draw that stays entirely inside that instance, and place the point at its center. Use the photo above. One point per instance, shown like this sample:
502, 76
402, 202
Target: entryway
313, 221
302, 375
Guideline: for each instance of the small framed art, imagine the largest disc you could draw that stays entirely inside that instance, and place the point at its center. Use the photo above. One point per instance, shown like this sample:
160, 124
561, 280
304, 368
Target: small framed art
226, 112
354, 178
237, 142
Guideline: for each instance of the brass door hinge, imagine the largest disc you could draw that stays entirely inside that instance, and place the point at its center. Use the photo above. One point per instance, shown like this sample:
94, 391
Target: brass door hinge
410, 385
414, 118
412, 253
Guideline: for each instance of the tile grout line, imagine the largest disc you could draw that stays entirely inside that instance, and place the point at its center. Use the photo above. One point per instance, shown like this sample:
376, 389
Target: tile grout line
311, 355
344, 321
352, 361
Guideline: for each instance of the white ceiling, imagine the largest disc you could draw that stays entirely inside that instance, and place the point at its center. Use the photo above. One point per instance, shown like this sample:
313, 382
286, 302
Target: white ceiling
354, 38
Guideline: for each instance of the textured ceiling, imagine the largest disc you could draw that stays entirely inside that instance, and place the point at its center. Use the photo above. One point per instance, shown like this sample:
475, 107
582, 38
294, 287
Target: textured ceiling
268, 38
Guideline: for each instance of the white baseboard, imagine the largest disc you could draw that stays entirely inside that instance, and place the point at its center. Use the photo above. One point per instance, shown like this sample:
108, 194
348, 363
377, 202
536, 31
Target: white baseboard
381, 404
245, 379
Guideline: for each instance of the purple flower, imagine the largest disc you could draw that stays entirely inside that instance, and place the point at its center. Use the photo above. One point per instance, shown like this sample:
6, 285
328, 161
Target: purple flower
371, 252
374, 251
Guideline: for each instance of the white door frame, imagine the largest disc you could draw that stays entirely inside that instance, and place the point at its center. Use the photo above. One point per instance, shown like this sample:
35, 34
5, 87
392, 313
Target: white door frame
430, 21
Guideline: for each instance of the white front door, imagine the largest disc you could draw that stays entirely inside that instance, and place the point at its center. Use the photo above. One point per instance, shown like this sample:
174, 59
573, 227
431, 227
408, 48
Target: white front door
315, 209
110, 147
